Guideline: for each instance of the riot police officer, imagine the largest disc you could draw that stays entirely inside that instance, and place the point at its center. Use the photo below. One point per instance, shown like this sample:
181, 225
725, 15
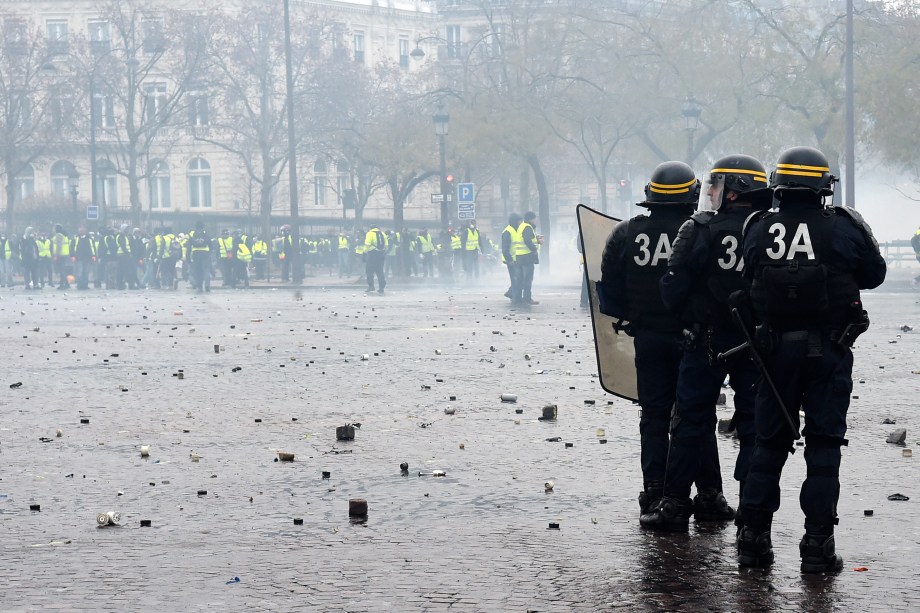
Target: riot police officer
635, 258
807, 263
705, 268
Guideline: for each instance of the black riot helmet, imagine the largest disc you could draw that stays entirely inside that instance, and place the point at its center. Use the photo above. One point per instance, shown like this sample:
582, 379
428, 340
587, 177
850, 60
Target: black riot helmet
802, 168
741, 174
672, 183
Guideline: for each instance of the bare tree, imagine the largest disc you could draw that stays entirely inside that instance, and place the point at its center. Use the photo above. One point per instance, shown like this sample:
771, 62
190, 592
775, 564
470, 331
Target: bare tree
161, 59
27, 128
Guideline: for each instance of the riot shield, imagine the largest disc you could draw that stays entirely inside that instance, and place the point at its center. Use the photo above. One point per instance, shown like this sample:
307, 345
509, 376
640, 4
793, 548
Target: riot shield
616, 356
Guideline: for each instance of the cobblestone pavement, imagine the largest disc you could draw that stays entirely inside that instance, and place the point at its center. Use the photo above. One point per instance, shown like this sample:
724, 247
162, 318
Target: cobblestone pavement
291, 367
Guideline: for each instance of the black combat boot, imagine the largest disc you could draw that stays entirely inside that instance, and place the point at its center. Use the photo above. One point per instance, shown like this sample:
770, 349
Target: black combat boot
671, 515
817, 551
650, 498
755, 549
710, 505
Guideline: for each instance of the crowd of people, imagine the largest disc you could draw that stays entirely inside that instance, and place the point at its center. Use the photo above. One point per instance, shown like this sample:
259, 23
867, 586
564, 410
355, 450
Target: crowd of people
131, 258
763, 289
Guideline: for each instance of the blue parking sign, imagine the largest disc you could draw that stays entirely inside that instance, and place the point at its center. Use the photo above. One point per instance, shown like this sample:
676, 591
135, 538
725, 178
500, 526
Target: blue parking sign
466, 192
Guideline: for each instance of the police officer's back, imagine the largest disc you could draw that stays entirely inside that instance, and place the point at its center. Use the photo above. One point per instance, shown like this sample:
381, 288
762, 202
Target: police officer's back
635, 258
807, 263
705, 268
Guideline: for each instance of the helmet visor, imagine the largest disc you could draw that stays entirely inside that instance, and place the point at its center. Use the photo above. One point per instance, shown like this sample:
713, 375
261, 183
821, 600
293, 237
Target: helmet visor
715, 190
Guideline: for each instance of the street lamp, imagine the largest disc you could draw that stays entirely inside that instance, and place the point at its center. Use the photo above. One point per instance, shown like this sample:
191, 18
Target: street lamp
296, 271
441, 121
691, 112
73, 181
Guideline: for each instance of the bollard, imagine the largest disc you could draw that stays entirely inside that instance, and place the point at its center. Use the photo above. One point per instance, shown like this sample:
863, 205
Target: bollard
345, 433
357, 507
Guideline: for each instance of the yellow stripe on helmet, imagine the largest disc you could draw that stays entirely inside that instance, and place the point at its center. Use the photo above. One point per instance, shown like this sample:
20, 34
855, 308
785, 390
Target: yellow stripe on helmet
669, 191
799, 173
738, 171
802, 167
674, 186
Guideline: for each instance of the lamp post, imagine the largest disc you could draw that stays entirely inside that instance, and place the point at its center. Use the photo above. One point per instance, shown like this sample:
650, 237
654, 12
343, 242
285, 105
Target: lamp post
73, 181
691, 112
850, 191
296, 272
441, 121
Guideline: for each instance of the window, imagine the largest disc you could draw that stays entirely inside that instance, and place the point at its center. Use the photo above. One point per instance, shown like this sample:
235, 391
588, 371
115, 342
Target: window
154, 40
106, 183
359, 47
341, 180
453, 42
198, 109
61, 110
159, 186
24, 184
15, 36
61, 171
58, 35
155, 102
319, 183
199, 184
498, 33
403, 52
104, 111
100, 36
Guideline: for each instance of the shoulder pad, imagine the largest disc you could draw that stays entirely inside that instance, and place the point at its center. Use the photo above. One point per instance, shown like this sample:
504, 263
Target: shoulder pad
703, 217
858, 220
682, 243
753, 217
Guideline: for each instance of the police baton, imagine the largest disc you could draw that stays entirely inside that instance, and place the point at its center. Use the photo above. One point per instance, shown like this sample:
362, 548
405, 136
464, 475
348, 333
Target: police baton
758, 360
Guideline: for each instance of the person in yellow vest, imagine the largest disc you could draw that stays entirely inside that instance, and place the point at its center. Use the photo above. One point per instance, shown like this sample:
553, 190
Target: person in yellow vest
44, 260
526, 255
83, 255
286, 252
375, 252
60, 254
259, 256
242, 258
198, 252
509, 240
392, 263
7, 253
426, 252
456, 250
471, 250
343, 252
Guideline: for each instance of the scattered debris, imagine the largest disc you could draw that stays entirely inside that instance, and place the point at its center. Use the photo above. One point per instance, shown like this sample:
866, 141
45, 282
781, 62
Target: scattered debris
549, 485
284, 456
345, 433
897, 437
357, 507
511, 398
110, 518
898, 497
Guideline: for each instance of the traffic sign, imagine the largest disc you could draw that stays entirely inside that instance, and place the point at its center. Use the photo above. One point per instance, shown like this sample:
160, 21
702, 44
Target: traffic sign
437, 198
466, 210
466, 192
92, 213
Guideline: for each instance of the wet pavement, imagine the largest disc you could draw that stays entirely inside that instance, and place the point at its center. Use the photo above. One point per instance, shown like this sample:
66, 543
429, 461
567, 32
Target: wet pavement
294, 365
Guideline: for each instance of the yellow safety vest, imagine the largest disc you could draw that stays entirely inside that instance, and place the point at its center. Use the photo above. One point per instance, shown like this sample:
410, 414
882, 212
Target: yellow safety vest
76, 244
44, 247
343, 242
425, 240
371, 241
512, 232
518, 247
7, 252
243, 252
472, 239
455, 243
259, 248
61, 245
